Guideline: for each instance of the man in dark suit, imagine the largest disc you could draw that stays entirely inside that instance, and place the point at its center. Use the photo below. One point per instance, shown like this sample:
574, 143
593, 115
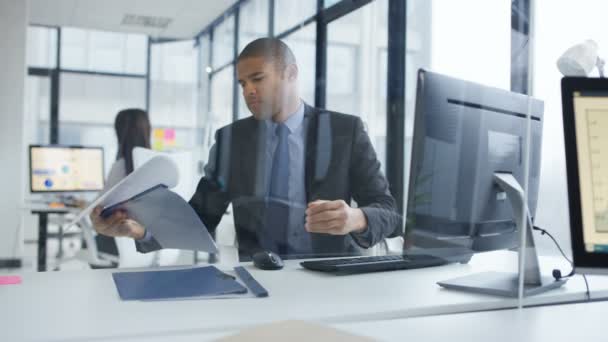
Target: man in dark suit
290, 172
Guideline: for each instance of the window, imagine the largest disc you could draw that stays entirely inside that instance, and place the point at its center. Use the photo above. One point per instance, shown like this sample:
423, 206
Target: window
289, 13
253, 24
41, 47
223, 43
103, 51
451, 37
468, 45
356, 69
89, 104
86, 98
173, 84
37, 109
302, 44
204, 70
221, 98
329, 3
585, 21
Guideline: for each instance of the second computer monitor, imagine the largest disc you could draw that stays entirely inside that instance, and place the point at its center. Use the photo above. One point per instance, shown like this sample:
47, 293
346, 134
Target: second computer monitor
55, 168
463, 133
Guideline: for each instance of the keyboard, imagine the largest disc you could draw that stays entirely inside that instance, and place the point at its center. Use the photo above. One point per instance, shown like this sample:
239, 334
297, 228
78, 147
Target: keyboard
373, 263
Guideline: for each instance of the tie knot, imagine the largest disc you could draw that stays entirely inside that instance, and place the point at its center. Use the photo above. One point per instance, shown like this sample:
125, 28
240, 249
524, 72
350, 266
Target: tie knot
282, 130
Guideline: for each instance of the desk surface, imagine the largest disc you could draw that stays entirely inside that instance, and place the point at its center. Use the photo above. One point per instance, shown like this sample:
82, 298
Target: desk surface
568, 322
84, 305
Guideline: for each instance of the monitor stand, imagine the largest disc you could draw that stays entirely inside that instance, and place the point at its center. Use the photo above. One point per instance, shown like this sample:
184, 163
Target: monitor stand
507, 284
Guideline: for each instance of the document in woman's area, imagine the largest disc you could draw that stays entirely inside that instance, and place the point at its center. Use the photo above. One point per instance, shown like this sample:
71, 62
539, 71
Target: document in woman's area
144, 195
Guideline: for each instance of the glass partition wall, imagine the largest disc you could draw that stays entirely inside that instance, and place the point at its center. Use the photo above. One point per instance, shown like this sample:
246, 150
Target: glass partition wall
439, 125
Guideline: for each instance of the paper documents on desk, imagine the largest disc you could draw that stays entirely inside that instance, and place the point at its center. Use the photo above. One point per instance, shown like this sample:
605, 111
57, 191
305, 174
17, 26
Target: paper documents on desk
145, 196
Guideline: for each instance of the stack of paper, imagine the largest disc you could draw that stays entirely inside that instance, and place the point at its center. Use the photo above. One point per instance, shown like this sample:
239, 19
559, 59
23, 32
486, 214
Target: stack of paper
145, 197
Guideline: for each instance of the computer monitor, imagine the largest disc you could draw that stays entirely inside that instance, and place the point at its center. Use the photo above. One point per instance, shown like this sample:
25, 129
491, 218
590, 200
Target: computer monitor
468, 139
55, 168
585, 115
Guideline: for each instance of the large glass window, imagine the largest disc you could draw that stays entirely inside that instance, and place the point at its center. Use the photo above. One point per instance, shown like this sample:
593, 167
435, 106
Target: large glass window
450, 37
89, 104
302, 43
41, 47
173, 84
471, 39
37, 109
253, 24
86, 98
221, 97
329, 3
356, 69
585, 21
103, 51
288, 13
203, 88
223, 42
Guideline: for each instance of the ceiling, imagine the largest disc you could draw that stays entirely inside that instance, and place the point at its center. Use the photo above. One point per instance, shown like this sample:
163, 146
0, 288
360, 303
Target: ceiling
169, 18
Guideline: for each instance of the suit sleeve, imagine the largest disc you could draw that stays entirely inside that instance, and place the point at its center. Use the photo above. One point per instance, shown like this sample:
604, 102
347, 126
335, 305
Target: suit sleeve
210, 202
370, 191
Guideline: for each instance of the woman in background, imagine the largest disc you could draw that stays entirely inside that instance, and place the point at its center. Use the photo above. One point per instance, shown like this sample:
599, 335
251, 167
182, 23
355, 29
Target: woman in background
132, 130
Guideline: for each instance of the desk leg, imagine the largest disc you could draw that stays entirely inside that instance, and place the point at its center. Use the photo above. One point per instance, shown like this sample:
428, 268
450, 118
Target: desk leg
42, 232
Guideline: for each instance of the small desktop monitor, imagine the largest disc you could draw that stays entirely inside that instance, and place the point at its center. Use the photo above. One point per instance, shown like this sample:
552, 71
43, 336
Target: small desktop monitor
55, 168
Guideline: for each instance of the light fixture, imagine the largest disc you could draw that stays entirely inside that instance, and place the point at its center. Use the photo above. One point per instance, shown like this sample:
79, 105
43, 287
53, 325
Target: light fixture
580, 59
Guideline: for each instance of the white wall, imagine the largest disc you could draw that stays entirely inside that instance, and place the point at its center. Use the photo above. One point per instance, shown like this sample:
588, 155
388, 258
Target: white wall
13, 25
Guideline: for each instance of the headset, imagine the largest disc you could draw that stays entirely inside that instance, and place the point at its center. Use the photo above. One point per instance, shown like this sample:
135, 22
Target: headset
557, 274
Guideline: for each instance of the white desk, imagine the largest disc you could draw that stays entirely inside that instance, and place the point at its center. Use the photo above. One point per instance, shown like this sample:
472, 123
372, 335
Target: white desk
568, 322
84, 305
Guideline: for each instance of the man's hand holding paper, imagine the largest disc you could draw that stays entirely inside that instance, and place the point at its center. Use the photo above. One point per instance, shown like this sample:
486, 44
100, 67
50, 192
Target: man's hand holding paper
118, 224
142, 204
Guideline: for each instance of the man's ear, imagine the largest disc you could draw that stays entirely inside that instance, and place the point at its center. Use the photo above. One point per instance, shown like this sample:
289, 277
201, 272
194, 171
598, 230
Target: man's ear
291, 71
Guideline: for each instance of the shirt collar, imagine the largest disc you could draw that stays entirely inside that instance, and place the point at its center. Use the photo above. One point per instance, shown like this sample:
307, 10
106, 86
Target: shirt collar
293, 122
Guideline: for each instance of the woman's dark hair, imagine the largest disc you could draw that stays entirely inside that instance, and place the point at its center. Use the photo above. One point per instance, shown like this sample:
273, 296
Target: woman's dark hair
132, 129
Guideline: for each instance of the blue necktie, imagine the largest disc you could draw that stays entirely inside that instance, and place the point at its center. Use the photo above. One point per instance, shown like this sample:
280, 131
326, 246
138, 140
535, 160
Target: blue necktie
279, 175
277, 214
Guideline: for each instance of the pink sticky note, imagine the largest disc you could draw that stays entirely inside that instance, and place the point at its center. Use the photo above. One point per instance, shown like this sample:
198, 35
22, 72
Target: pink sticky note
10, 280
169, 134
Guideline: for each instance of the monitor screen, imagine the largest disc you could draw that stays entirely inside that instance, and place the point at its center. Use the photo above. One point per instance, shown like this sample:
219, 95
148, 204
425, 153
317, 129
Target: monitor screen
591, 122
66, 168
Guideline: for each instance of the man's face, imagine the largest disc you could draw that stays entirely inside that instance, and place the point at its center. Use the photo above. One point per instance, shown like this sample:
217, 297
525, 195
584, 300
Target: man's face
265, 87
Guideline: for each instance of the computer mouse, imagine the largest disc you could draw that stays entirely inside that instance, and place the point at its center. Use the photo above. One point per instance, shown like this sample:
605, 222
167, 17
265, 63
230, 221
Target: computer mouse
267, 260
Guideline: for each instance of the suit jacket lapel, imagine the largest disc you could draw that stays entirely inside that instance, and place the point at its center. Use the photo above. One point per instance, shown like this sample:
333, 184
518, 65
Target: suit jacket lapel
319, 148
251, 167
311, 147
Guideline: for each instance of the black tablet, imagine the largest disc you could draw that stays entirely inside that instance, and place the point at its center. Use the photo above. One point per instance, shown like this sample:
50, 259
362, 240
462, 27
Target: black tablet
585, 115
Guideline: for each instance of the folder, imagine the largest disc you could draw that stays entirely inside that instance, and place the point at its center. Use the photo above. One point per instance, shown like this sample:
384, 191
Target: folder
205, 281
145, 196
172, 221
